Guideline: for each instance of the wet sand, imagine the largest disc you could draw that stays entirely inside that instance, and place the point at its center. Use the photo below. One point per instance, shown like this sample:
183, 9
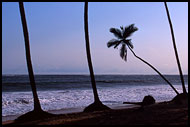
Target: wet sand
157, 114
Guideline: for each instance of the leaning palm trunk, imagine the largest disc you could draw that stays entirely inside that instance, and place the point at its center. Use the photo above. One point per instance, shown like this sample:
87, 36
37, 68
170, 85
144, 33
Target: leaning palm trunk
175, 49
122, 36
28, 58
154, 70
97, 105
37, 113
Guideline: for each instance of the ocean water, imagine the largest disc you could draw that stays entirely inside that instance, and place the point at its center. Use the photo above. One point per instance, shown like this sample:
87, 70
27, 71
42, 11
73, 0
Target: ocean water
58, 92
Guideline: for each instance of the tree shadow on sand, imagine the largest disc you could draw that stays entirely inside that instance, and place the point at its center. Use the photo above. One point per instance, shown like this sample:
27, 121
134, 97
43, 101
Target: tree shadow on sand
33, 116
96, 106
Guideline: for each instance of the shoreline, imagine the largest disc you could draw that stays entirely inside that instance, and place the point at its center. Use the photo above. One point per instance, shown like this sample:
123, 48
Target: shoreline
162, 113
11, 118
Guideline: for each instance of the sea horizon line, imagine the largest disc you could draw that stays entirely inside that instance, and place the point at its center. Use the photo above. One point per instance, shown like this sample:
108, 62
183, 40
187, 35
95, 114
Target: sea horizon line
87, 74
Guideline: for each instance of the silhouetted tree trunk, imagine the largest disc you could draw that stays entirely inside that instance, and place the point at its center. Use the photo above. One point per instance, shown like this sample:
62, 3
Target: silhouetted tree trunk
97, 105
37, 113
154, 70
175, 49
96, 98
28, 58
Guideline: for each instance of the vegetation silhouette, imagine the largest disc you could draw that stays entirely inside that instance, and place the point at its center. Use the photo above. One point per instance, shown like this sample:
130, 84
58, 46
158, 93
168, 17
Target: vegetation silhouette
37, 113
180, 98
122, 36
147, 100
97, 105
175, 49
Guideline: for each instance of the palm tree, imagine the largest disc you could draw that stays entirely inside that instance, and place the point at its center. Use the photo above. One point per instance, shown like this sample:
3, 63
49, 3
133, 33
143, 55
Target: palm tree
175, 49
97, 105
28, 58
122, 36
37, 113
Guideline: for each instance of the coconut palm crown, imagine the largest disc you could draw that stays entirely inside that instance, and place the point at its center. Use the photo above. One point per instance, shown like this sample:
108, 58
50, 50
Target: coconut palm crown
122, 38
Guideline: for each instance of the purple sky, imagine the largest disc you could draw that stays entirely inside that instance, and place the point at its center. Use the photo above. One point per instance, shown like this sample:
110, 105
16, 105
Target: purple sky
56, 32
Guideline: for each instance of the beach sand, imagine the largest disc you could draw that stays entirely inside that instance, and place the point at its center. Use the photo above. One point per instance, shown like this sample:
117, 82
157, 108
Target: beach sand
157, 114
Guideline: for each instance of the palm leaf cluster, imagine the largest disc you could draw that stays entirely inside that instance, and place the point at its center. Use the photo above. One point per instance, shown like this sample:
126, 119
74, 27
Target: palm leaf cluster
122, 34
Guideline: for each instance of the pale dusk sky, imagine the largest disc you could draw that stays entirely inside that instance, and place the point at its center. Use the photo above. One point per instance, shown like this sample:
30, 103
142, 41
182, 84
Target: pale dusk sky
57, 41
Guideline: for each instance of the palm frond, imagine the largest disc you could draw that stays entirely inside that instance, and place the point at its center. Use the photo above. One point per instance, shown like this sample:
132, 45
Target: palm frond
113, 42
129, 30
121, 27
117, 44
116, 32
123, 52
129, 43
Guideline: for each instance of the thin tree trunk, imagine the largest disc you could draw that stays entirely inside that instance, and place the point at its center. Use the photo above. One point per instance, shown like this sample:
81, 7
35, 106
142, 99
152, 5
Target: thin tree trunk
96, 98
175, 49
28, 58
155, 70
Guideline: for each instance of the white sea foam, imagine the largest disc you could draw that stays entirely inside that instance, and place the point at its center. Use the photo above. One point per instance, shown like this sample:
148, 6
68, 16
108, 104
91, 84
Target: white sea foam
14, 103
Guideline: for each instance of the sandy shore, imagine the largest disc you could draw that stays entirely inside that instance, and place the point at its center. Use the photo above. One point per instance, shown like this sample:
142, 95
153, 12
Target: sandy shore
157, 114
11, 118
